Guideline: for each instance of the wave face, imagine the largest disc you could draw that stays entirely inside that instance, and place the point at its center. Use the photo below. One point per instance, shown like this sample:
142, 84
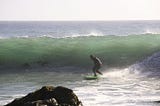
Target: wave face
114, 51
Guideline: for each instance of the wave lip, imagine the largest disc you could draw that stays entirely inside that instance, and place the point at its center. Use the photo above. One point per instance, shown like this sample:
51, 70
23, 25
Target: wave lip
91, 34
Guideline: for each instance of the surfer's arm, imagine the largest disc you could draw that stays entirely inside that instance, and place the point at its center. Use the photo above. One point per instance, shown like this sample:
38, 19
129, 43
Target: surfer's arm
99, 61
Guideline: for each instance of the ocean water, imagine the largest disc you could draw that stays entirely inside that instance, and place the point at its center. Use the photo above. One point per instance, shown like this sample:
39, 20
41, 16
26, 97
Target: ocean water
33, 54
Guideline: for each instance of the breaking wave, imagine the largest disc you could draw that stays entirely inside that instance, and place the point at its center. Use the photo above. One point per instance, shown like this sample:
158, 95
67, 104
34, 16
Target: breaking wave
114, 51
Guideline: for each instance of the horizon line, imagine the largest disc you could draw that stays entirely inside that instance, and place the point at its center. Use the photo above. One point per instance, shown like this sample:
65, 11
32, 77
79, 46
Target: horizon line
89, 20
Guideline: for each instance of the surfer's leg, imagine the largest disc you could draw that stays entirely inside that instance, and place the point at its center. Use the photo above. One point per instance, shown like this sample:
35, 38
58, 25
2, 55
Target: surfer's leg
97, 70
94, 71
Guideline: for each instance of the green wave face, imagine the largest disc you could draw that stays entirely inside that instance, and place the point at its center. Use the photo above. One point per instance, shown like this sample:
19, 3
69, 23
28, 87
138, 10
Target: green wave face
112, 50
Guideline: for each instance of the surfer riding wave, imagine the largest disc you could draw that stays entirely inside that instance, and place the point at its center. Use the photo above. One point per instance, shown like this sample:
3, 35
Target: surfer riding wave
97, 65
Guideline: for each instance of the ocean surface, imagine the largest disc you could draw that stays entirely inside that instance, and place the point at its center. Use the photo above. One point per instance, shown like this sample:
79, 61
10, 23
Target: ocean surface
35, 53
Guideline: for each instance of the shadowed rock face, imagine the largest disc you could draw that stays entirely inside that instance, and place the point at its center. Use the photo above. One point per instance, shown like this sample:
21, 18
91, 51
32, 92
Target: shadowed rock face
48, 96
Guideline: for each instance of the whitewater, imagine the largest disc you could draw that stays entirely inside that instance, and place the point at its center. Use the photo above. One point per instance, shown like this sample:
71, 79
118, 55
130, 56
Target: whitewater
34, 54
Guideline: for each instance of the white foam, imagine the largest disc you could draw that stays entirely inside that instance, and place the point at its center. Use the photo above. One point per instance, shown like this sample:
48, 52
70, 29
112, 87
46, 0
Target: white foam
8, 98
152, 31
87, 35
118, 87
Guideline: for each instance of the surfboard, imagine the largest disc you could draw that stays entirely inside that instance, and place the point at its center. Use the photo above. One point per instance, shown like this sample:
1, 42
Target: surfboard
91, 77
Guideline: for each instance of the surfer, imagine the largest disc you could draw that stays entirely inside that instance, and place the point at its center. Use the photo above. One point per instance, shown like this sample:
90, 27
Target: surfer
97, 65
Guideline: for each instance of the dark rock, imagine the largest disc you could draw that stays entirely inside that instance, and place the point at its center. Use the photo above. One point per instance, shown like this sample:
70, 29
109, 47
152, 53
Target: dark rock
49, 102
157, 101
48, 96
65, 96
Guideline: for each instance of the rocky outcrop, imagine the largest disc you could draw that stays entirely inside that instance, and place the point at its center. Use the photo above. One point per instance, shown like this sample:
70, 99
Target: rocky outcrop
48, 96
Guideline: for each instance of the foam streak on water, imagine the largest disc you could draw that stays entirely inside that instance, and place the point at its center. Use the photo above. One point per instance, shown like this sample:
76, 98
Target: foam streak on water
114, 88
119, 88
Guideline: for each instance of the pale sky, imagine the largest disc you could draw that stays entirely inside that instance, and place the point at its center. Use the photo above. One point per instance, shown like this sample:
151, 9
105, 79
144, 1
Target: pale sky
79, 9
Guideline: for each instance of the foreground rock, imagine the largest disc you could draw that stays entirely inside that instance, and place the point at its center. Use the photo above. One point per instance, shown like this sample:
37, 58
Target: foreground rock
48, 96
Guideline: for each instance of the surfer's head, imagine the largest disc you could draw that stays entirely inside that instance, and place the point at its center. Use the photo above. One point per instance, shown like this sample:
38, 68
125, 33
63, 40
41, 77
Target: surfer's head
91, 56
